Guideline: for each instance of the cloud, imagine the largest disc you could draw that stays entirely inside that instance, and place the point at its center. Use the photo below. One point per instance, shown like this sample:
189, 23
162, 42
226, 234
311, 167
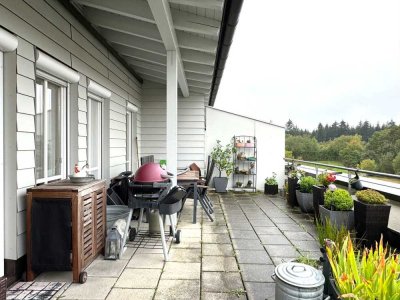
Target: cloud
315, 61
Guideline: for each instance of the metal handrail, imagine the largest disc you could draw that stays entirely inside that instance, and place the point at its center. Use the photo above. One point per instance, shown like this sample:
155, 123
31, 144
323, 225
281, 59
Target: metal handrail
343, 168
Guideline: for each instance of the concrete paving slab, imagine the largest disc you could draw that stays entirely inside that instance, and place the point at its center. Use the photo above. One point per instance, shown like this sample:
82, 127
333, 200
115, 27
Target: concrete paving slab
191, 232
290, 227
106, 268
218, 250
281, 251
127, 255
181, 270
221, 282
247, 244
285, 220
306, 245
185, 255
189, 243
240, 226
261, 222
260, 291
235, 295
243, 234
139, 278
268, 230
252, 257
216, 238
178, 289
129, 294
146, 261
299, 236
257, 273
94, 288
267, 239
215, 229
219, 264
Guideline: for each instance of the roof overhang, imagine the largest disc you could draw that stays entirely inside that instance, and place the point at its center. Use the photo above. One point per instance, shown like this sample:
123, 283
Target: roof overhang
140, 32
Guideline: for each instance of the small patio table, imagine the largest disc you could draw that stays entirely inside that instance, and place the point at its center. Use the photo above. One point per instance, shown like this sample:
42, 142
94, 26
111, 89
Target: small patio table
190, 178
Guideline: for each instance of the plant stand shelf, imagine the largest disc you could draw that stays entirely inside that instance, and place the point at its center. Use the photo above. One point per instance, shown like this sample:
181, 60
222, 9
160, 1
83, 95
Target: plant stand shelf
245, 163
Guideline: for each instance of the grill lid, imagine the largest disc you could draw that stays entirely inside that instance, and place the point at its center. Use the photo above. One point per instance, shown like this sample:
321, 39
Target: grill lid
150, 172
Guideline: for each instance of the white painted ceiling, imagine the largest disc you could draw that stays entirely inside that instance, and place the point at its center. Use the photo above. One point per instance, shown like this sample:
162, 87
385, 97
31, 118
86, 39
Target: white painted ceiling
132, 28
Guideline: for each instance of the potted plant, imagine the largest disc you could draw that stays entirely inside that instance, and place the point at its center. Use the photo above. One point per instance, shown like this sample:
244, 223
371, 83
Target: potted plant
304, 194
222, 157
271, 185
371, 213
239, 184
365, 274
293, 178
338, 208
324, 179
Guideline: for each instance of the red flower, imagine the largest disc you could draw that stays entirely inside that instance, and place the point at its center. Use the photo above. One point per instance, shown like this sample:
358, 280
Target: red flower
331, 178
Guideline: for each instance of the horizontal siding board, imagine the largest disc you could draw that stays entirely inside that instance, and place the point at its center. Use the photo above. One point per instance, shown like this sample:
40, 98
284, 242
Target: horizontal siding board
191, 157
51, 15
190, 150
25, 178
186, 143
194, 125
25, 49
156, 131
116, 134
82, 154
117, 116
82, 142
20, 27
21, 245
25, 104
114, 152
82, 130
117, 125
25, 159
154, 137
21, 222
117, 143
25, 86
191, 131
116, 170
85, 43
82, 104
155, 150
82, 93
117, 160
118, 108
118, 100
82, 117
25, 141
153, 124
21, 199
25, 67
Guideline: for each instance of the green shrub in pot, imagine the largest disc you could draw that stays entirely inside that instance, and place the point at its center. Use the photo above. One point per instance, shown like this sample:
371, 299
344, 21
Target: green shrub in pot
306, 184
338, 200
371, 197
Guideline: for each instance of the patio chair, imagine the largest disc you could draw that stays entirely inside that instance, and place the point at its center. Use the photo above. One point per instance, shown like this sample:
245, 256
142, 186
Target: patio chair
202, 187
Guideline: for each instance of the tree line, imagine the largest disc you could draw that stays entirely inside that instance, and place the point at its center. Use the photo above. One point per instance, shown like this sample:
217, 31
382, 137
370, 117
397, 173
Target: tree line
376, 150
328, 132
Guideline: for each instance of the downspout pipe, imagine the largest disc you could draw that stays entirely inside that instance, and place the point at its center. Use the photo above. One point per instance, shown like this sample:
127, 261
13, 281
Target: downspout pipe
230, 18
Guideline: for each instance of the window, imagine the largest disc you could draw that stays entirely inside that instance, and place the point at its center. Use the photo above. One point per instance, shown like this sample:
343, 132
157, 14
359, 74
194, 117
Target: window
95, 135
50, 131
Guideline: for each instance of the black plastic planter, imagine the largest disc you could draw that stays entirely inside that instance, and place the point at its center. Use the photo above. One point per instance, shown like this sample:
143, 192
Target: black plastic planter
318, 199
292, 185
370, 220
270, 189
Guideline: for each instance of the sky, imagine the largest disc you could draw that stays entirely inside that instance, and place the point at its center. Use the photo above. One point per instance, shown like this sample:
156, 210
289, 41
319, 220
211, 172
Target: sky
314, 61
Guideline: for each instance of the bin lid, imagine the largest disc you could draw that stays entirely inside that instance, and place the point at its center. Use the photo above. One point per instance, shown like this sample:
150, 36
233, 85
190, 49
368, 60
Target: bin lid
299, 275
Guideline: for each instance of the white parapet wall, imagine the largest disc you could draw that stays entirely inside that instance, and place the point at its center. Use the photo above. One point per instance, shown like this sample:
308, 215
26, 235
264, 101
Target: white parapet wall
222, 125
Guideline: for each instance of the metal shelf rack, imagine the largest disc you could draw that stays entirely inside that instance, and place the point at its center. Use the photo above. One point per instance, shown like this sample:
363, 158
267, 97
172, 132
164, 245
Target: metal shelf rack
245, 163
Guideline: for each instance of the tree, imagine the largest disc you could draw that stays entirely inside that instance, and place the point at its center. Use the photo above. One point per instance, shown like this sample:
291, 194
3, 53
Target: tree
304, 147
396, 164
368, 164
351, 154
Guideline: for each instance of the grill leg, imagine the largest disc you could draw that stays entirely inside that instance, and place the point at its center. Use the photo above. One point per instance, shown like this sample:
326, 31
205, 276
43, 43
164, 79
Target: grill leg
140, 219
164, 244
172, 226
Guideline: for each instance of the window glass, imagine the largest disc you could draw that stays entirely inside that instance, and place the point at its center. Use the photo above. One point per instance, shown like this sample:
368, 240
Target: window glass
95, 141
39, 130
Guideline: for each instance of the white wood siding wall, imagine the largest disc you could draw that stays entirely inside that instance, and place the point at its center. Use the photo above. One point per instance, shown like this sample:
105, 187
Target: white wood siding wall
47, 25
191, 122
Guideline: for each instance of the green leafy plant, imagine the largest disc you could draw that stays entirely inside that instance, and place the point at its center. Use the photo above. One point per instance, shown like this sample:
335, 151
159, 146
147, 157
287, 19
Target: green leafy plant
306, 184
326, 178
367, 274
308, 261
371, 197
328, 231
222, 157
271, 180
338, 200
239, 183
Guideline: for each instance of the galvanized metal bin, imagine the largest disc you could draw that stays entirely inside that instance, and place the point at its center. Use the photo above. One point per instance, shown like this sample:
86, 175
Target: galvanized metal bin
298, 281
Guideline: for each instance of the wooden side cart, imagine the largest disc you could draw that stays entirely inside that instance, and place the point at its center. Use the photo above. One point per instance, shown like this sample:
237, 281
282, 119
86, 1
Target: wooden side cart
66, 227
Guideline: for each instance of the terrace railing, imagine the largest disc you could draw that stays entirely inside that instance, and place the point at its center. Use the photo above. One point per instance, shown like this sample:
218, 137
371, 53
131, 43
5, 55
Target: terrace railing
345, 175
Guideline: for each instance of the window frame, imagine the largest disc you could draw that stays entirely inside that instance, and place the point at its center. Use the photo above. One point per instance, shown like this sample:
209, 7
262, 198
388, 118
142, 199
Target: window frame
64, 88
99, 168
